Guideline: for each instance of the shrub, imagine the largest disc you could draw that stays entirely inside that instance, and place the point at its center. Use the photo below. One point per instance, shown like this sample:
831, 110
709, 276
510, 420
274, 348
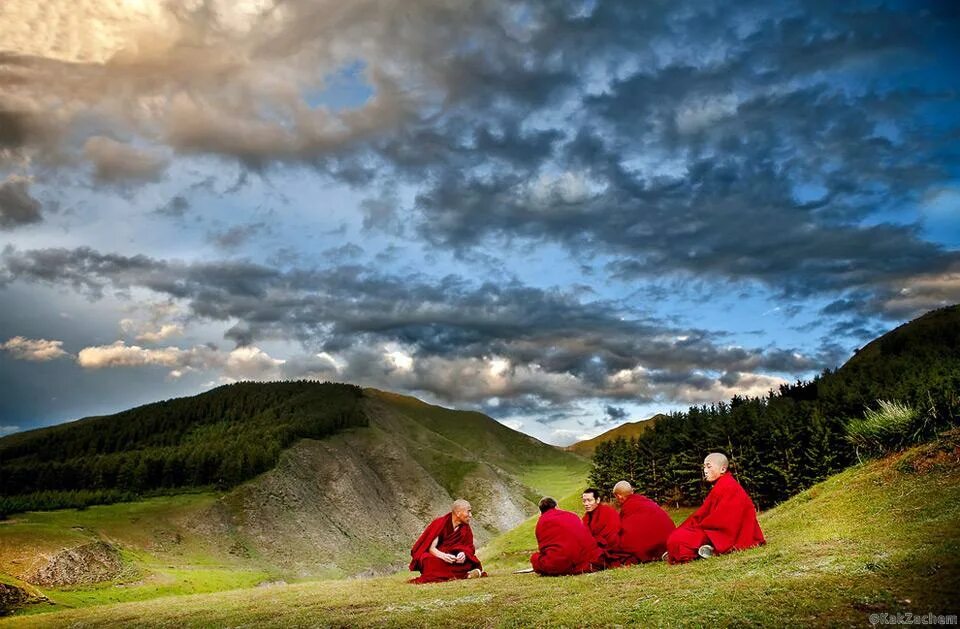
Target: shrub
892, 426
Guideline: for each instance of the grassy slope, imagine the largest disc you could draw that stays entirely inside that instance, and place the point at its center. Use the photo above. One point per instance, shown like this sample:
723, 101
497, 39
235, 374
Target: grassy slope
627, 431
543, 468
882, 537
169, 551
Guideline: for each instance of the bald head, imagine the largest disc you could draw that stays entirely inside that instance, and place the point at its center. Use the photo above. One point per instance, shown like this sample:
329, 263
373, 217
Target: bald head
714, 466
461, 511
622, 491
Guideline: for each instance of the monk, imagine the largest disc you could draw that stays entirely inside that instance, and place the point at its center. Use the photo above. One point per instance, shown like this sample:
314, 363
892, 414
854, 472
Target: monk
602, 520
644, 528
566, 545
445, 550
726, 521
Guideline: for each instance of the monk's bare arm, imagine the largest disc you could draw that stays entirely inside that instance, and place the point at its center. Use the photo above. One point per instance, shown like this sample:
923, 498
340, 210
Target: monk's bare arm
439, 554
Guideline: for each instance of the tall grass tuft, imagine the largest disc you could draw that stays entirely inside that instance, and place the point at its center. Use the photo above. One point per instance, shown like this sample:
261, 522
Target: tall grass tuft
890, 427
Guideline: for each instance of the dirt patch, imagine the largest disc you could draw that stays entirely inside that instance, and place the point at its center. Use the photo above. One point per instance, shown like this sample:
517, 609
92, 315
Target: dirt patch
90, 563
940, 455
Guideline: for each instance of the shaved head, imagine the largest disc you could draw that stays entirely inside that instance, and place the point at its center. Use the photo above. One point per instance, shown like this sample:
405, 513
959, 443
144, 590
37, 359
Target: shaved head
718, 459
461, 511
714, 466
460, 505
623, 487
622, 491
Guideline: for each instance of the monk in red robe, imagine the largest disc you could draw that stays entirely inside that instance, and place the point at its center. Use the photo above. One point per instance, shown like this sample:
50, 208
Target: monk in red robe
644, 528
566, 545
726, 521
603, 521
445, 550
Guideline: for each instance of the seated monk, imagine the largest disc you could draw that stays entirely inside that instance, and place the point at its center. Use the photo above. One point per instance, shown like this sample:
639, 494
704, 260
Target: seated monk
726, 521
644, 528
602, 520
445, 550
566, 545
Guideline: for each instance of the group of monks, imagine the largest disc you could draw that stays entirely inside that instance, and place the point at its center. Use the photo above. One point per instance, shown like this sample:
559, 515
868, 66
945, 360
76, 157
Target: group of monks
603, 537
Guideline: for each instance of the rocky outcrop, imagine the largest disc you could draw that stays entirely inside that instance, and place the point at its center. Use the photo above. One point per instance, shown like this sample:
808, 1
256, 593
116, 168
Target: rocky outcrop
90, 563
12, 597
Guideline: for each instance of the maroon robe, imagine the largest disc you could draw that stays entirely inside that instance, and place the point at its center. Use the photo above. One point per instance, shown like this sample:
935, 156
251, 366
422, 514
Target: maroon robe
451, 541
644, 528
727, 520
604, 524
566, 545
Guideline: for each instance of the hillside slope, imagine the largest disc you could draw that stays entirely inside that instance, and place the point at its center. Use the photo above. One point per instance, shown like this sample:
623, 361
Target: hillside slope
878, 538
347, 504
624, 431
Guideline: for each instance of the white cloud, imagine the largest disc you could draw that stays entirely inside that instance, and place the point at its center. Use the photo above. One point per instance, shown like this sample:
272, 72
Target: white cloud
39, 350
243, 363
8, 430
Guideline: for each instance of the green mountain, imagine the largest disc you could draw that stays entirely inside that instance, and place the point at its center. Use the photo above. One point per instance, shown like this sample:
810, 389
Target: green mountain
348, 503
784, 442
628, 430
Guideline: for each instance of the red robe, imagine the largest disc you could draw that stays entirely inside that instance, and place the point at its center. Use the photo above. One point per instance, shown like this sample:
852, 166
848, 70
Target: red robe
604, 524
644, 528
450, 541
566, 545
727, 520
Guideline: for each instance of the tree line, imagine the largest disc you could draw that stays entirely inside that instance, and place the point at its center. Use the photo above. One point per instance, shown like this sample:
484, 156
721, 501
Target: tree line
219, 438
790, 439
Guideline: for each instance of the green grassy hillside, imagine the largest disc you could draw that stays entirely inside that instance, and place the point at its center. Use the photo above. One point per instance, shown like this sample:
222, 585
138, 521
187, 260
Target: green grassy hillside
348, 504
883, 537
221, 437
628, 430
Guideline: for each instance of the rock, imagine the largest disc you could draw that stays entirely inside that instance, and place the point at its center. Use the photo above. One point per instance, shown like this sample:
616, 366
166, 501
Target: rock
90, 563
11, 597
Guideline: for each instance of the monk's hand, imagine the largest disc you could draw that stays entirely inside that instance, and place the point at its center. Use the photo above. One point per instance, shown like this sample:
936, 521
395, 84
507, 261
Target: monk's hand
448, 558
461, 557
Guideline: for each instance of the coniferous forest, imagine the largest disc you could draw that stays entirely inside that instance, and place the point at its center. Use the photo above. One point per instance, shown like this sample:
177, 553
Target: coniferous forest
219, 438
785, 442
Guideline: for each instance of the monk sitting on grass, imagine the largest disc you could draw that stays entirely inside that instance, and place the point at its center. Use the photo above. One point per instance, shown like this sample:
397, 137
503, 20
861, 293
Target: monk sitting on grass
602, 520
566, 545
726, 521
445, 550
644, 528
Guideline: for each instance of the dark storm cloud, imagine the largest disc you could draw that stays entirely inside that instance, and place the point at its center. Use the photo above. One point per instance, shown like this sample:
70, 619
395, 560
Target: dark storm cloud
17, 206
764, 159
615, 413
550, 344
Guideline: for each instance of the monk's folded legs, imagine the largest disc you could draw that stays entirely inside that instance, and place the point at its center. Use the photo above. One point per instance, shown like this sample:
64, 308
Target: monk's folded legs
683, 543
435, 570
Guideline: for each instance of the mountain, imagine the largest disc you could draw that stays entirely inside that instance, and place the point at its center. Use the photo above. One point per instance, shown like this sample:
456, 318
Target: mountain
873, 542
348, 503
625, 431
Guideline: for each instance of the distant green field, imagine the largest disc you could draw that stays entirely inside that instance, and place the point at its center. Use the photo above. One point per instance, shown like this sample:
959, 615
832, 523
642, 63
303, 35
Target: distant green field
883, 537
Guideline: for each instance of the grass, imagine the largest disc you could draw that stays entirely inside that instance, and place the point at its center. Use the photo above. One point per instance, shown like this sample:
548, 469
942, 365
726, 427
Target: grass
164, 556
880, 537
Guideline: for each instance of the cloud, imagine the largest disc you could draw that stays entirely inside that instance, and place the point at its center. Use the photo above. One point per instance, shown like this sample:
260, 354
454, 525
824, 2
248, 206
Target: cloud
38, 350
115, 162
150, 334
237, 235
455, 339
243, 363
615, 413
17, 207
8, 430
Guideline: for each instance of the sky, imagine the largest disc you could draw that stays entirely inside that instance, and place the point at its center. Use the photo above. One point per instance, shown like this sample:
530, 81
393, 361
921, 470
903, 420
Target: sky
566, 215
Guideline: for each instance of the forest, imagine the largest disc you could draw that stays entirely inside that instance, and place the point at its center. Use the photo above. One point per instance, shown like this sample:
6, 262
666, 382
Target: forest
218, 438
780, 444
